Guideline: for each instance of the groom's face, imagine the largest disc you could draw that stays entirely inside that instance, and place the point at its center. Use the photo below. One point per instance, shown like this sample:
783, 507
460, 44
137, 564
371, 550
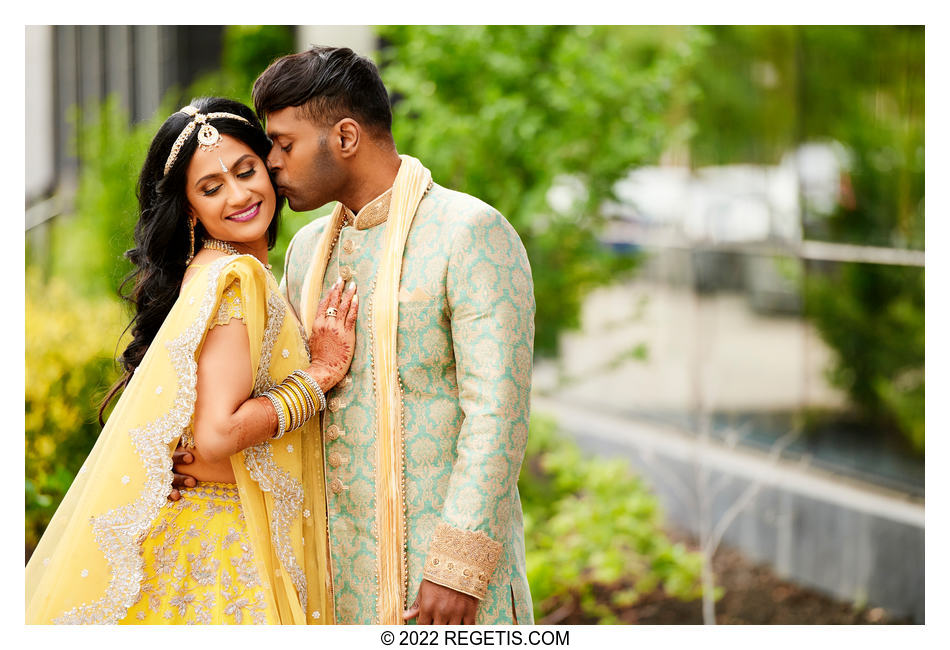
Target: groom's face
302, 159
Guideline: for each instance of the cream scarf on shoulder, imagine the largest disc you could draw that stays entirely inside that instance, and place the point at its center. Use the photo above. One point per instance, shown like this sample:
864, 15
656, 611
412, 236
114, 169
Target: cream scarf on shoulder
412, 182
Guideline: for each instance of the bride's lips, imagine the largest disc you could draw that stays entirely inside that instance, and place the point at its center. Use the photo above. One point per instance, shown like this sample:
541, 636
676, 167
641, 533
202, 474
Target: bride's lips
246, 215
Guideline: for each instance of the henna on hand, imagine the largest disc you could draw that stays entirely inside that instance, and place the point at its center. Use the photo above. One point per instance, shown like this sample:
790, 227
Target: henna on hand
333, 338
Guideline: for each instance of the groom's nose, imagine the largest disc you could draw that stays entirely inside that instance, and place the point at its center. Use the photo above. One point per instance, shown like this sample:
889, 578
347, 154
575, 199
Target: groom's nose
273, 161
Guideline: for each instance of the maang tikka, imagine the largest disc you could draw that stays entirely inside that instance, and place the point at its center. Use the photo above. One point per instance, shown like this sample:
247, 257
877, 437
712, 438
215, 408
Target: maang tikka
208, 136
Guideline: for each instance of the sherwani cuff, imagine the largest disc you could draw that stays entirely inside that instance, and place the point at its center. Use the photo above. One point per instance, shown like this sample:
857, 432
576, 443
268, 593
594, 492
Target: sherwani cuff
463, 560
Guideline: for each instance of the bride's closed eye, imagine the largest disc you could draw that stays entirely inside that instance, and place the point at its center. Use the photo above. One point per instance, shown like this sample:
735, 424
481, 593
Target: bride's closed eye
245, 174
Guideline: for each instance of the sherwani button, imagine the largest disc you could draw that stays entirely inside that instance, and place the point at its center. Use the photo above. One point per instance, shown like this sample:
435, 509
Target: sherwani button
334, 404
346, 273
333, 432
335, 459
336, 486
348, 246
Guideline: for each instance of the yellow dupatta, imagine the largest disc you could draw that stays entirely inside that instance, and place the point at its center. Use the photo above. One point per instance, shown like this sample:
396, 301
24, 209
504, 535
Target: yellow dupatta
412, 182
87, 568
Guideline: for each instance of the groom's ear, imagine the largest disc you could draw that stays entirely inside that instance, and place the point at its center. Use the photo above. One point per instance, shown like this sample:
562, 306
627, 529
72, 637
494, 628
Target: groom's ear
348, 135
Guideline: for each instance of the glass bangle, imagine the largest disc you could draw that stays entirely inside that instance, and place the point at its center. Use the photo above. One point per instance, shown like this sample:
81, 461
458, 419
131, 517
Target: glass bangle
307, 395
305, 413
281, 390
310, 381
281, 421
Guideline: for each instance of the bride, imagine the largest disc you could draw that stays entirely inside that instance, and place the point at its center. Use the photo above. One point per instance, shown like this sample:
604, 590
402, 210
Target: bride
218, 365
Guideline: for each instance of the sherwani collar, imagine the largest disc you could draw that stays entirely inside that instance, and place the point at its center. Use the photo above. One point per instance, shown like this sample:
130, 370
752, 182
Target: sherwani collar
372, 214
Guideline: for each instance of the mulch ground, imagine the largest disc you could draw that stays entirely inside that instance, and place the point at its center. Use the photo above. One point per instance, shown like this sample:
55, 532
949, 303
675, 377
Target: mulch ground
754, 595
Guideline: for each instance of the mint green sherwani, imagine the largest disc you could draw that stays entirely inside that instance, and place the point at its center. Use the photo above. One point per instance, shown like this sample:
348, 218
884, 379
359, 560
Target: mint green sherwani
465, 341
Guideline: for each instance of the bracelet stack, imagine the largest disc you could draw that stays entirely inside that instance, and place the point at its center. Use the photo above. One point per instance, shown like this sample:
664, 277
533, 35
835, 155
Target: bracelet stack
295, 399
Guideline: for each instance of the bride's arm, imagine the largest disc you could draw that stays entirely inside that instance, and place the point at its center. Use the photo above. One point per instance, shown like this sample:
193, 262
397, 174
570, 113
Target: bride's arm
226, 420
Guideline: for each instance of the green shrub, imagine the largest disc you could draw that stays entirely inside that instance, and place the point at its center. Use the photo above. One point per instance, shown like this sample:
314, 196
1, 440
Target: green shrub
873, 318
766, 89
507, 113
70, 342
87, 245
591, 523
247, 50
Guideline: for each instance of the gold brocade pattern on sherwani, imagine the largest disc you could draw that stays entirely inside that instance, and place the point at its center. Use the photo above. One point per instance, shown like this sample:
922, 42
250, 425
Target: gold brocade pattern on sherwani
93, 574
464, 342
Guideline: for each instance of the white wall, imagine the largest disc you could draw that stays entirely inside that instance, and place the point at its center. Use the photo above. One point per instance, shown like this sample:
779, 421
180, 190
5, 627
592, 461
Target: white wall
40, 165
359, 38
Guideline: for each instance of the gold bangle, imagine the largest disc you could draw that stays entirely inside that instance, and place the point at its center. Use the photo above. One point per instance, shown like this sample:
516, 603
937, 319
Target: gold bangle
304, 392
307, 390
298, 404
291, 404
286, 407
305, 411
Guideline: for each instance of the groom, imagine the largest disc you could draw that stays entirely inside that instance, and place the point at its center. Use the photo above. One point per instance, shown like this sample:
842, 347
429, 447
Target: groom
424, 516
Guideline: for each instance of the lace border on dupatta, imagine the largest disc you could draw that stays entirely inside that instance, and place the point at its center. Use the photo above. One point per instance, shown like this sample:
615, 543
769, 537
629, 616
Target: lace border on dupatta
119, 531
259, 460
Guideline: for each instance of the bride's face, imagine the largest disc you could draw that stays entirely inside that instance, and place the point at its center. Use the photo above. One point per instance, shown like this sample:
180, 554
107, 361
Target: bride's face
230, 192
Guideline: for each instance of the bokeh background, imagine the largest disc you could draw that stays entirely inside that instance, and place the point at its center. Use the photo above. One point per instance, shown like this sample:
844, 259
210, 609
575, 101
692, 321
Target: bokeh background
726, 229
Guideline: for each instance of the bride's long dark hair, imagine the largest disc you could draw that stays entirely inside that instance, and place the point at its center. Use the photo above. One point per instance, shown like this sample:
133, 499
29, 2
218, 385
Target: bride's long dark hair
162, 239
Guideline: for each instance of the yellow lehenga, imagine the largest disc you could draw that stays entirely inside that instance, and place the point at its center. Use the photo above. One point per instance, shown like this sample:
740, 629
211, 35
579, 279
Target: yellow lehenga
252, 552
199, 566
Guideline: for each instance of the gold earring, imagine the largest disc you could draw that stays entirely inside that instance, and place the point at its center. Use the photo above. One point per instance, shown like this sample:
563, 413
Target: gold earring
191, 237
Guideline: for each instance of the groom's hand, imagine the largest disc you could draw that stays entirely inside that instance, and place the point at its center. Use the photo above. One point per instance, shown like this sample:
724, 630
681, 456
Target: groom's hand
180, 461
438, 605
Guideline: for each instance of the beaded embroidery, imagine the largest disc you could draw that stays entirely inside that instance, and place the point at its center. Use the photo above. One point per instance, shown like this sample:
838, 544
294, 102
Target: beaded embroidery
259, 461
190, 580
230, 307
463, 560
119, 531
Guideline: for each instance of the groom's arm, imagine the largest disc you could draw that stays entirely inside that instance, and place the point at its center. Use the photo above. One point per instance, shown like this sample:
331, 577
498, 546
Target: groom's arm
491, 298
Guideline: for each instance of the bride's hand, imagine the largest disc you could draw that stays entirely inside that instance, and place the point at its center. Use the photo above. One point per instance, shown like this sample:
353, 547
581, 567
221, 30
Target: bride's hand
333, 336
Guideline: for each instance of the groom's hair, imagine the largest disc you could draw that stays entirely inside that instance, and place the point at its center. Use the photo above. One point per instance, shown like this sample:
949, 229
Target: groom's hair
330, 83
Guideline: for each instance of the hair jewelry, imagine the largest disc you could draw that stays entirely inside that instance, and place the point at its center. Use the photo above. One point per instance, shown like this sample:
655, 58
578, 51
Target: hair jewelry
208, 136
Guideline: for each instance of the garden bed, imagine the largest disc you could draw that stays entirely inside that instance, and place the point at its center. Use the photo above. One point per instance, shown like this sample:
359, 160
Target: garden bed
754, 595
